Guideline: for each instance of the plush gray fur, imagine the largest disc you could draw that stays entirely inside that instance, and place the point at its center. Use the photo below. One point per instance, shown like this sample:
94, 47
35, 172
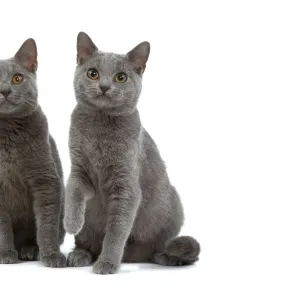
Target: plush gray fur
120, 203
31, 179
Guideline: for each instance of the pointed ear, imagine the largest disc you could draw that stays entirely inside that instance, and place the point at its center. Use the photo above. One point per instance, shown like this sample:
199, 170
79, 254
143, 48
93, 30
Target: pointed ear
27, 56
138, 57
85, 48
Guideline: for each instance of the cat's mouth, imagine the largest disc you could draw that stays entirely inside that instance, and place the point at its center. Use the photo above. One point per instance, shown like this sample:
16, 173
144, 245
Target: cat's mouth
103, 97
7, 100
3, 100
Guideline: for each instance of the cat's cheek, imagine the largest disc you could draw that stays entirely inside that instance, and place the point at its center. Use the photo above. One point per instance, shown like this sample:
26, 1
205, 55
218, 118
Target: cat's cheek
29, 95
81, 88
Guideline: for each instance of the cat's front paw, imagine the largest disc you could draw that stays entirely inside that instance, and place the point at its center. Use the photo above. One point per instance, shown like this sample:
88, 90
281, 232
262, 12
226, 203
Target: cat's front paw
8, 257
105, 267
55, 260
79, 258
29, 252
73, 225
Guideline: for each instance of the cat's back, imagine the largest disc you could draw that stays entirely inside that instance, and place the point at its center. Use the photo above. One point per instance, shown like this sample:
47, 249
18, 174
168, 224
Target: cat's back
152, 165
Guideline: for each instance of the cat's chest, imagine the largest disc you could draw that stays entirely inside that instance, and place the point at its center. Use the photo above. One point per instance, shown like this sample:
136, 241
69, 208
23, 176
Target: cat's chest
9, 162
13, 188
100, 143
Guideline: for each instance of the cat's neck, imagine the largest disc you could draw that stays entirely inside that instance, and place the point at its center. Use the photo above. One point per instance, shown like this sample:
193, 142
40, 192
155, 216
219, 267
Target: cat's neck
105, 113
18, 130
103, 118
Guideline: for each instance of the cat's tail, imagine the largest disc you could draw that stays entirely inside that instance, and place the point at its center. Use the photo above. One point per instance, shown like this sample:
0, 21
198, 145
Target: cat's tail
183, 250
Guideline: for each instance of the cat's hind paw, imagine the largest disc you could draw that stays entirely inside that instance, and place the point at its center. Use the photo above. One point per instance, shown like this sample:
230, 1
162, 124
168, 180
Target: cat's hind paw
104, 267
29, 252
8, 257
79, 258
56, 260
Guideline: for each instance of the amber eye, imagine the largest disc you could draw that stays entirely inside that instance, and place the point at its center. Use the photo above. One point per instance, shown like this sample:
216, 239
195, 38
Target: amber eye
93, 74
17, 79
120, 77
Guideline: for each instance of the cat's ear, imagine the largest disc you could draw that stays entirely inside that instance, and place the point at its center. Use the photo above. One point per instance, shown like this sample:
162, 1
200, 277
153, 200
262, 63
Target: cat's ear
138, 57
27, 56
85, 48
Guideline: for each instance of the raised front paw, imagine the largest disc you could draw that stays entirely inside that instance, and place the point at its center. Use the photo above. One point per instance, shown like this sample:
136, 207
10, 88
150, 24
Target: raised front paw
8, 257
105, 267
55, 260
73, 225
79, 258
29, 252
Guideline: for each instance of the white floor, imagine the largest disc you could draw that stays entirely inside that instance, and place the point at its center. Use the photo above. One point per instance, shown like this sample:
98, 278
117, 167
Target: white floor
30, 280
228, 273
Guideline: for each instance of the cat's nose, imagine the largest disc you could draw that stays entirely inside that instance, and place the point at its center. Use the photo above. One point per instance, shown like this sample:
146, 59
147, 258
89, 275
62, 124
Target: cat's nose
104, 88
5, 93
5, 90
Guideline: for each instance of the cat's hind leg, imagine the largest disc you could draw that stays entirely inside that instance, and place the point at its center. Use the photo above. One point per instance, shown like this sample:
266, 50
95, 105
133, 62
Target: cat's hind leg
183, 250
8, 254
25, 239
29, 251
138, 252
79, 258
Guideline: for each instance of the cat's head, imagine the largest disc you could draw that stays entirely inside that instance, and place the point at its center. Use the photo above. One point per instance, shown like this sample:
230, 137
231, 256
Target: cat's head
18, 90
109, 81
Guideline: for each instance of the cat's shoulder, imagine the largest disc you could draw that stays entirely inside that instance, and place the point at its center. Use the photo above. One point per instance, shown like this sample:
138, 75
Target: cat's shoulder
79, 115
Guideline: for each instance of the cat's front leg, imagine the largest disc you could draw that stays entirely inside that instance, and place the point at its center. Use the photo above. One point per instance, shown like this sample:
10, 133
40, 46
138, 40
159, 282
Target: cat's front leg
8, 254
124, 195
46, 190
78, 191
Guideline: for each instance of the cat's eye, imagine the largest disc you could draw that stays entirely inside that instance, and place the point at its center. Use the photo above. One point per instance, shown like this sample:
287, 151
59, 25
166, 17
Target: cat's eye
93, 74
120, 77
17, 79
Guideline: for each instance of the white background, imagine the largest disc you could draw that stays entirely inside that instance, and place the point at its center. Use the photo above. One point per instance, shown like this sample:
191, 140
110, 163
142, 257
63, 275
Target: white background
221, 99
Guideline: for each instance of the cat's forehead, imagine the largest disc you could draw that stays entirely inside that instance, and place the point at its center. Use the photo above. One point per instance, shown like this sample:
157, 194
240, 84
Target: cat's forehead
8, 68
8, 65
107, 61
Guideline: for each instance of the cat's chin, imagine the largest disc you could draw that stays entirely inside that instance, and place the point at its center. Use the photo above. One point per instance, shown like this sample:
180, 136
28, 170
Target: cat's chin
9, 110
6, 107
103, 101
107, 106
103, 97
100, 102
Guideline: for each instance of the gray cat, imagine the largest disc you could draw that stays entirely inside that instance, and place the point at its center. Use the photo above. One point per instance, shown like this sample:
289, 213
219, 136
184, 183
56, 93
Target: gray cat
120, 203
31, 179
